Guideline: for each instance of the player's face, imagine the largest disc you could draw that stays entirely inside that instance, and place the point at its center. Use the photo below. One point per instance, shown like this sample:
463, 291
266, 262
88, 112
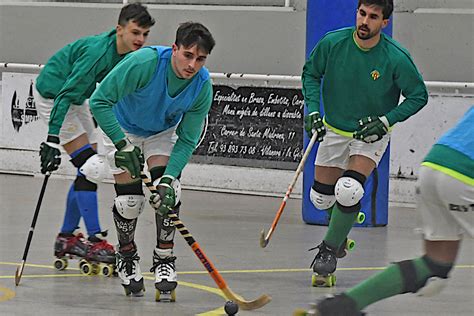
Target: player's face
131, 37
187, 61
370, 21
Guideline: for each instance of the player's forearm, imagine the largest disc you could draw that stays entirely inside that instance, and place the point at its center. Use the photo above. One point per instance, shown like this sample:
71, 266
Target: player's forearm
311, 92
107, 121
56, 119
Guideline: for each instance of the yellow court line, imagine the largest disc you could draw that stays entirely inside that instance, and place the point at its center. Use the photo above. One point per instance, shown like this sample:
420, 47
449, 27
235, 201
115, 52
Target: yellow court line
7, 294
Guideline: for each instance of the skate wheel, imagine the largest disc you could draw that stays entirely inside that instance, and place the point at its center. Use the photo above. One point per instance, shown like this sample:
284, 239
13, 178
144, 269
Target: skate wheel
323, 281
107, 270
95, 269
360, 218
158, 296
300, 312
127, 291
173, 296
86, 268
350, 244
81, 263
60, 263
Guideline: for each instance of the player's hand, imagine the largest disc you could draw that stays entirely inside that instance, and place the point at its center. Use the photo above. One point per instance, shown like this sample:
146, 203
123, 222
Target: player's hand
50, 152
314, 124
165, 200
129, 158
372, 129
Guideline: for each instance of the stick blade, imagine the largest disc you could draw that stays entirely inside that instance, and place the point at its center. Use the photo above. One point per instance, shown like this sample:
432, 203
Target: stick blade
18, 273
244, 304
263, 240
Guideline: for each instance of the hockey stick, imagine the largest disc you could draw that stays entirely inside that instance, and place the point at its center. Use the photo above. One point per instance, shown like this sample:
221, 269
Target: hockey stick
229, 294
19, 269
264, 240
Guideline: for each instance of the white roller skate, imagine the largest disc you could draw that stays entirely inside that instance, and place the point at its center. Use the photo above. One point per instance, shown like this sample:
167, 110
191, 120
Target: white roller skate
165, 275
128, 268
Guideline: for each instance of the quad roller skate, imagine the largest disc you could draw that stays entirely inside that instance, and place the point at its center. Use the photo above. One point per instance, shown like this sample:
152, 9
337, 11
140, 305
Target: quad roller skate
69, 246
339, 305
128, 268
100, 258
324, 264
165, 276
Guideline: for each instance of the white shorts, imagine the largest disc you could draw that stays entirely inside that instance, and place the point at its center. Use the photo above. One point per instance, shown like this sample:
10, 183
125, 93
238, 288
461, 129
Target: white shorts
446, 205
78, 119
160, 144
336, 149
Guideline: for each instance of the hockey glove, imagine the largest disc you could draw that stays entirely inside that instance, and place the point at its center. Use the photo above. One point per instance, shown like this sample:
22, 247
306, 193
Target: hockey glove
50, 154
314, 124
372, 129
129, 158
165, 200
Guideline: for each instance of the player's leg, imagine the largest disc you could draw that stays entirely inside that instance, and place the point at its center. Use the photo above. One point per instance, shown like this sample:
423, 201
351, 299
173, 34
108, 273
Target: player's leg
157, 150
428, 274
68, 240
129, 203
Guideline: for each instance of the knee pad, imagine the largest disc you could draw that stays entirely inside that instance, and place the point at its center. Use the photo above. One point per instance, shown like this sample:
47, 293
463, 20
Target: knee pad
94, 169
130, 200
322, 195
91, 165
428, 286
349, 190
130, 206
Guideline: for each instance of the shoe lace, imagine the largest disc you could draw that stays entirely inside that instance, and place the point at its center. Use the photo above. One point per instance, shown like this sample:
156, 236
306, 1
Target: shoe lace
324, 253
165, 265
127, 264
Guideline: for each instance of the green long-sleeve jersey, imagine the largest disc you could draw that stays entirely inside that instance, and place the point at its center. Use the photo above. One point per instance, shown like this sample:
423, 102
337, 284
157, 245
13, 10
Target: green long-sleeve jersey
357, 83
71, 74
134, 73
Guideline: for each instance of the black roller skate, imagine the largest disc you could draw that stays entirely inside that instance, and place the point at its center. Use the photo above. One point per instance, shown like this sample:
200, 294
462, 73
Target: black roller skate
165, 275
339, 305
128, 268
69, 246
100, 258
324, 265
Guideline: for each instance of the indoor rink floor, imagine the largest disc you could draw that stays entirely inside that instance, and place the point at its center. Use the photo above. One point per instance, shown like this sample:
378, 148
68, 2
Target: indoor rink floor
227, 226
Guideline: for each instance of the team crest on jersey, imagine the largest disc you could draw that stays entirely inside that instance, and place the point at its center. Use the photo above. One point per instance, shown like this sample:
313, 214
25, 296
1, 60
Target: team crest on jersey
375, 74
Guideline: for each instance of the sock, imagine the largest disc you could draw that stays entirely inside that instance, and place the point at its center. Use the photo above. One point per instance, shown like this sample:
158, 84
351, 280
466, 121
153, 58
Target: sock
339, 227
386, 283
87, 204
72, 215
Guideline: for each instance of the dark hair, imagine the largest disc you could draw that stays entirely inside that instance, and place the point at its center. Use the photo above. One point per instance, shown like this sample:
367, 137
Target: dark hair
193, 33
135, 12
386, 5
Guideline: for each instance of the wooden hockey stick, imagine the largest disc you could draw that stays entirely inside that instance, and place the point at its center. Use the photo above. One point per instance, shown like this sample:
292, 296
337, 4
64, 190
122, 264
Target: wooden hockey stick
264, 240
229, 294
19, 269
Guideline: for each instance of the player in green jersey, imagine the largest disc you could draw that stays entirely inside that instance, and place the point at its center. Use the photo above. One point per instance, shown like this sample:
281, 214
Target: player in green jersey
61, 93
364, 73
445, 201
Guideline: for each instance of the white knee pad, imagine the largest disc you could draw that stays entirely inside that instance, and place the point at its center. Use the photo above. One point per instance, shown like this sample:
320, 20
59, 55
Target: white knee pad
176, 186
348, 191
433, 286
130, 206
95, 168
321, 201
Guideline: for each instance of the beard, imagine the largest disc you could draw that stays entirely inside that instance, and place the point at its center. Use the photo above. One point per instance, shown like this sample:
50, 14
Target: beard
367, 35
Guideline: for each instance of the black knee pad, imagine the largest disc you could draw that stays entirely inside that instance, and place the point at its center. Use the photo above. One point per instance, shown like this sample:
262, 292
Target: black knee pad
349, 191
157, 172
82, 157
410, 277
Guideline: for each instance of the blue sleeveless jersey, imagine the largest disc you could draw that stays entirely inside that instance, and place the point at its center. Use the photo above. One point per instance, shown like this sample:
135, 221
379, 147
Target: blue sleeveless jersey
461, 137
151, 110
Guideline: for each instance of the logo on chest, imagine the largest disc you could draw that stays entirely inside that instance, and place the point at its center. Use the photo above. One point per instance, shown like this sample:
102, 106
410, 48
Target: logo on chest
375, 74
